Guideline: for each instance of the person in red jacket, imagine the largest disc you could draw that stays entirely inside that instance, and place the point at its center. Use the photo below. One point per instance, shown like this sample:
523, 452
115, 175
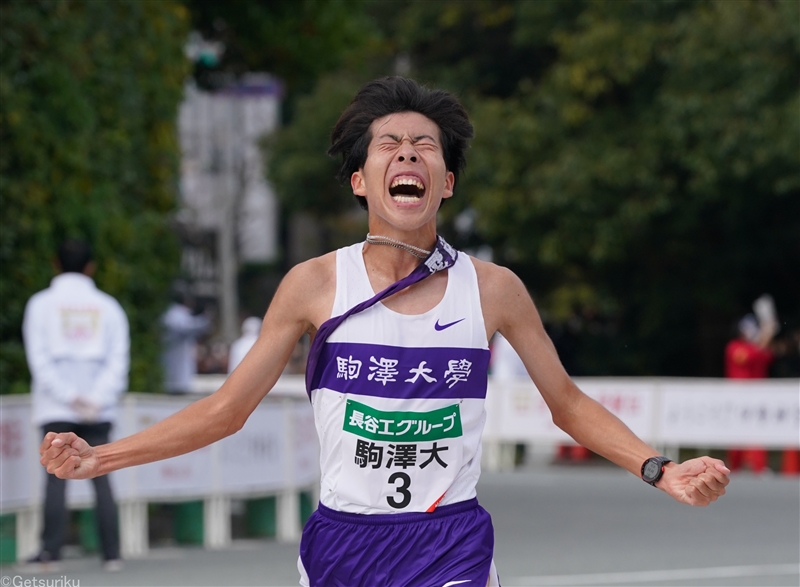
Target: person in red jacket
749, 357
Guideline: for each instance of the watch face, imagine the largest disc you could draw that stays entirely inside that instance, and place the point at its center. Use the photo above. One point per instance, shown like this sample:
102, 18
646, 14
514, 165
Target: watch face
651, 470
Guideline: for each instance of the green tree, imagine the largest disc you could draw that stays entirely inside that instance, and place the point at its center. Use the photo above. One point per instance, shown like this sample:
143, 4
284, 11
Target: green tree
88, 103
472, 47
650, 176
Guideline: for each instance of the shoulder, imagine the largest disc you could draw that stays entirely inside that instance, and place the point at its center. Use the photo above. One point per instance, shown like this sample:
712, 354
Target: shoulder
308, 289
37, 302
110, 304
40, 297
313, 275
497, 282
109, 300
505, 301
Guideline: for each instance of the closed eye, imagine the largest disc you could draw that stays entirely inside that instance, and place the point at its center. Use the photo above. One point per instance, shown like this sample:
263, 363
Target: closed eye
427, 146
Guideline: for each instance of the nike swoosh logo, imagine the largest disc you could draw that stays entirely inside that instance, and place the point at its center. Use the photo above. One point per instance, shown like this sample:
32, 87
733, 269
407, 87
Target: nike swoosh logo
449, 583
438, 326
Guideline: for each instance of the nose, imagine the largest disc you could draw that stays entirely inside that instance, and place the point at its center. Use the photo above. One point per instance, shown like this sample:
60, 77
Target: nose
406, 152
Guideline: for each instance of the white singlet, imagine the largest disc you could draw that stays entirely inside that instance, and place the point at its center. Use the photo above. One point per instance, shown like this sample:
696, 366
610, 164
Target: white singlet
399, 399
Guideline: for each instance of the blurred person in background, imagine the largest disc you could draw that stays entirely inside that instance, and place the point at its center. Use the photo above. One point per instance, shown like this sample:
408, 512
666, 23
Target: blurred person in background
78, 350
212, 358
180, 330
397, 387
251, 327
748, 356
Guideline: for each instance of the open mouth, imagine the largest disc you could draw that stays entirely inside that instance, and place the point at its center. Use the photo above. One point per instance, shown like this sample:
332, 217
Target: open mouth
406, 189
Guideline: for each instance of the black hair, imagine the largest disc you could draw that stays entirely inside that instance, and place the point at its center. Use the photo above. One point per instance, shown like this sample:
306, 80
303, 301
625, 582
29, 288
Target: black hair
390, 95
74, 255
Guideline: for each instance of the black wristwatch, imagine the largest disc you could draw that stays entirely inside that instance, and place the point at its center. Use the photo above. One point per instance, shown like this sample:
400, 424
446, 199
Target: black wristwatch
653, 469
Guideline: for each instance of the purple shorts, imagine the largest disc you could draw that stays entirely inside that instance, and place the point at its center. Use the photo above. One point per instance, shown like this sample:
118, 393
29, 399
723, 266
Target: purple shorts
451, 545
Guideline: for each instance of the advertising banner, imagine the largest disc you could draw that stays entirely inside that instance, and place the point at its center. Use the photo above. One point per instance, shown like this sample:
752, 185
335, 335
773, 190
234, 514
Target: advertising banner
731, 414
20, 472
518, 413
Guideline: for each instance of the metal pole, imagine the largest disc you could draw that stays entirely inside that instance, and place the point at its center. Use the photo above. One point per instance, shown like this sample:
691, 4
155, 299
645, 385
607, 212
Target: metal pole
226, 235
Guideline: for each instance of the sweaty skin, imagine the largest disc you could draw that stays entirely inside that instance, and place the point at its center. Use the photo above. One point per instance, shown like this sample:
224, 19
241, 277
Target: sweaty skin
404, 146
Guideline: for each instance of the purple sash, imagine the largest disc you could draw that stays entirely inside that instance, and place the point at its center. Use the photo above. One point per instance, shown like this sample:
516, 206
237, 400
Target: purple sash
442, 257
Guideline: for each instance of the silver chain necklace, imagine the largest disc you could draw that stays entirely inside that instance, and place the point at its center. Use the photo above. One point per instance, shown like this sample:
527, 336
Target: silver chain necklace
385, 240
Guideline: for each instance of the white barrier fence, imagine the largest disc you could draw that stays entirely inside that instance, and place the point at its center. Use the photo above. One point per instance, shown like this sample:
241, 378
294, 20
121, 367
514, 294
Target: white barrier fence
667, 413
276, 453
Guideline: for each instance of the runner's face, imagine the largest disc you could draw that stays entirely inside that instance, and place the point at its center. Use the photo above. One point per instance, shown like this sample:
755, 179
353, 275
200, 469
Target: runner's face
404, 178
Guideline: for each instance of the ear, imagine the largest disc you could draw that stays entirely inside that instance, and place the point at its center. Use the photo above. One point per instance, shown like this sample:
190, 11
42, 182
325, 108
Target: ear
90, 268
449, 184
358, 183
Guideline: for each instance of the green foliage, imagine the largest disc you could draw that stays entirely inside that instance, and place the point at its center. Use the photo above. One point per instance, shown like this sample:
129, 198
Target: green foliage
635, 162
296, 40
651, 175
297, 161
88, 104
468, 46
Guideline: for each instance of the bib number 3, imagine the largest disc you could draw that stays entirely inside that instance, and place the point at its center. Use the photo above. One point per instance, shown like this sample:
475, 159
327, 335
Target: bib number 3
402, 489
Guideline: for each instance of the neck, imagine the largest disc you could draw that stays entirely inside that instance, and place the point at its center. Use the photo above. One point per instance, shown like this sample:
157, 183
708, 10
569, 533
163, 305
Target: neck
378, 239
422, 237
391, 262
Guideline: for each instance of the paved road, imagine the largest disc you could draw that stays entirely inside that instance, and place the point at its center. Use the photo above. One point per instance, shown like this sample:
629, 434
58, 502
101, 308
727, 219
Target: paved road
554, 526
601, 527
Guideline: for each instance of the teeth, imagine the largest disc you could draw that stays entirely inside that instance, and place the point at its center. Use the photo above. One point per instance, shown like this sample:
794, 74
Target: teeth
408, 181
405, 199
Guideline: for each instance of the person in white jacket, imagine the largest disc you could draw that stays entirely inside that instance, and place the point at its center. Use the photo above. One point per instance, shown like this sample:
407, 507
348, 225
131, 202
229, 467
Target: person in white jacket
78, 349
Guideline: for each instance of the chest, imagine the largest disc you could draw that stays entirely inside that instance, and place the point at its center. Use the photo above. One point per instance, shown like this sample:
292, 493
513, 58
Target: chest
417, 299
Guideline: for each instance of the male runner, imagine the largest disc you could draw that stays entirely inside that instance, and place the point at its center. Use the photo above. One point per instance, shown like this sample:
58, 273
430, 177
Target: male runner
397, 370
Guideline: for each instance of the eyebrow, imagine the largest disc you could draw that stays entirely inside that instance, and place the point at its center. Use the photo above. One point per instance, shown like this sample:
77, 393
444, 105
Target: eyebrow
396, 138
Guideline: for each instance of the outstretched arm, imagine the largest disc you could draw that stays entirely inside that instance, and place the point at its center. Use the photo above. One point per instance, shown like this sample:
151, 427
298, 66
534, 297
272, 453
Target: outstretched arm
298, 307
508, 308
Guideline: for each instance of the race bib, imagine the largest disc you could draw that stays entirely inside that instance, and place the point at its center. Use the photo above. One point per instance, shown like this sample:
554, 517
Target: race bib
399, 461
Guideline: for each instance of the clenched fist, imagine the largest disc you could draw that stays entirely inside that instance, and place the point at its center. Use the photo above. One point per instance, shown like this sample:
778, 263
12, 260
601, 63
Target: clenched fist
696, 481
67, 456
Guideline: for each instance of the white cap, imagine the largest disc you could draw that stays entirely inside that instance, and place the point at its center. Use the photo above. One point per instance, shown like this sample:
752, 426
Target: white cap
251, 325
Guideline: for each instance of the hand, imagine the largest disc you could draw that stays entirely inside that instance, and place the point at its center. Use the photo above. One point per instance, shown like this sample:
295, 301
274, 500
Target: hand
88, 411
68, 457
696, 481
